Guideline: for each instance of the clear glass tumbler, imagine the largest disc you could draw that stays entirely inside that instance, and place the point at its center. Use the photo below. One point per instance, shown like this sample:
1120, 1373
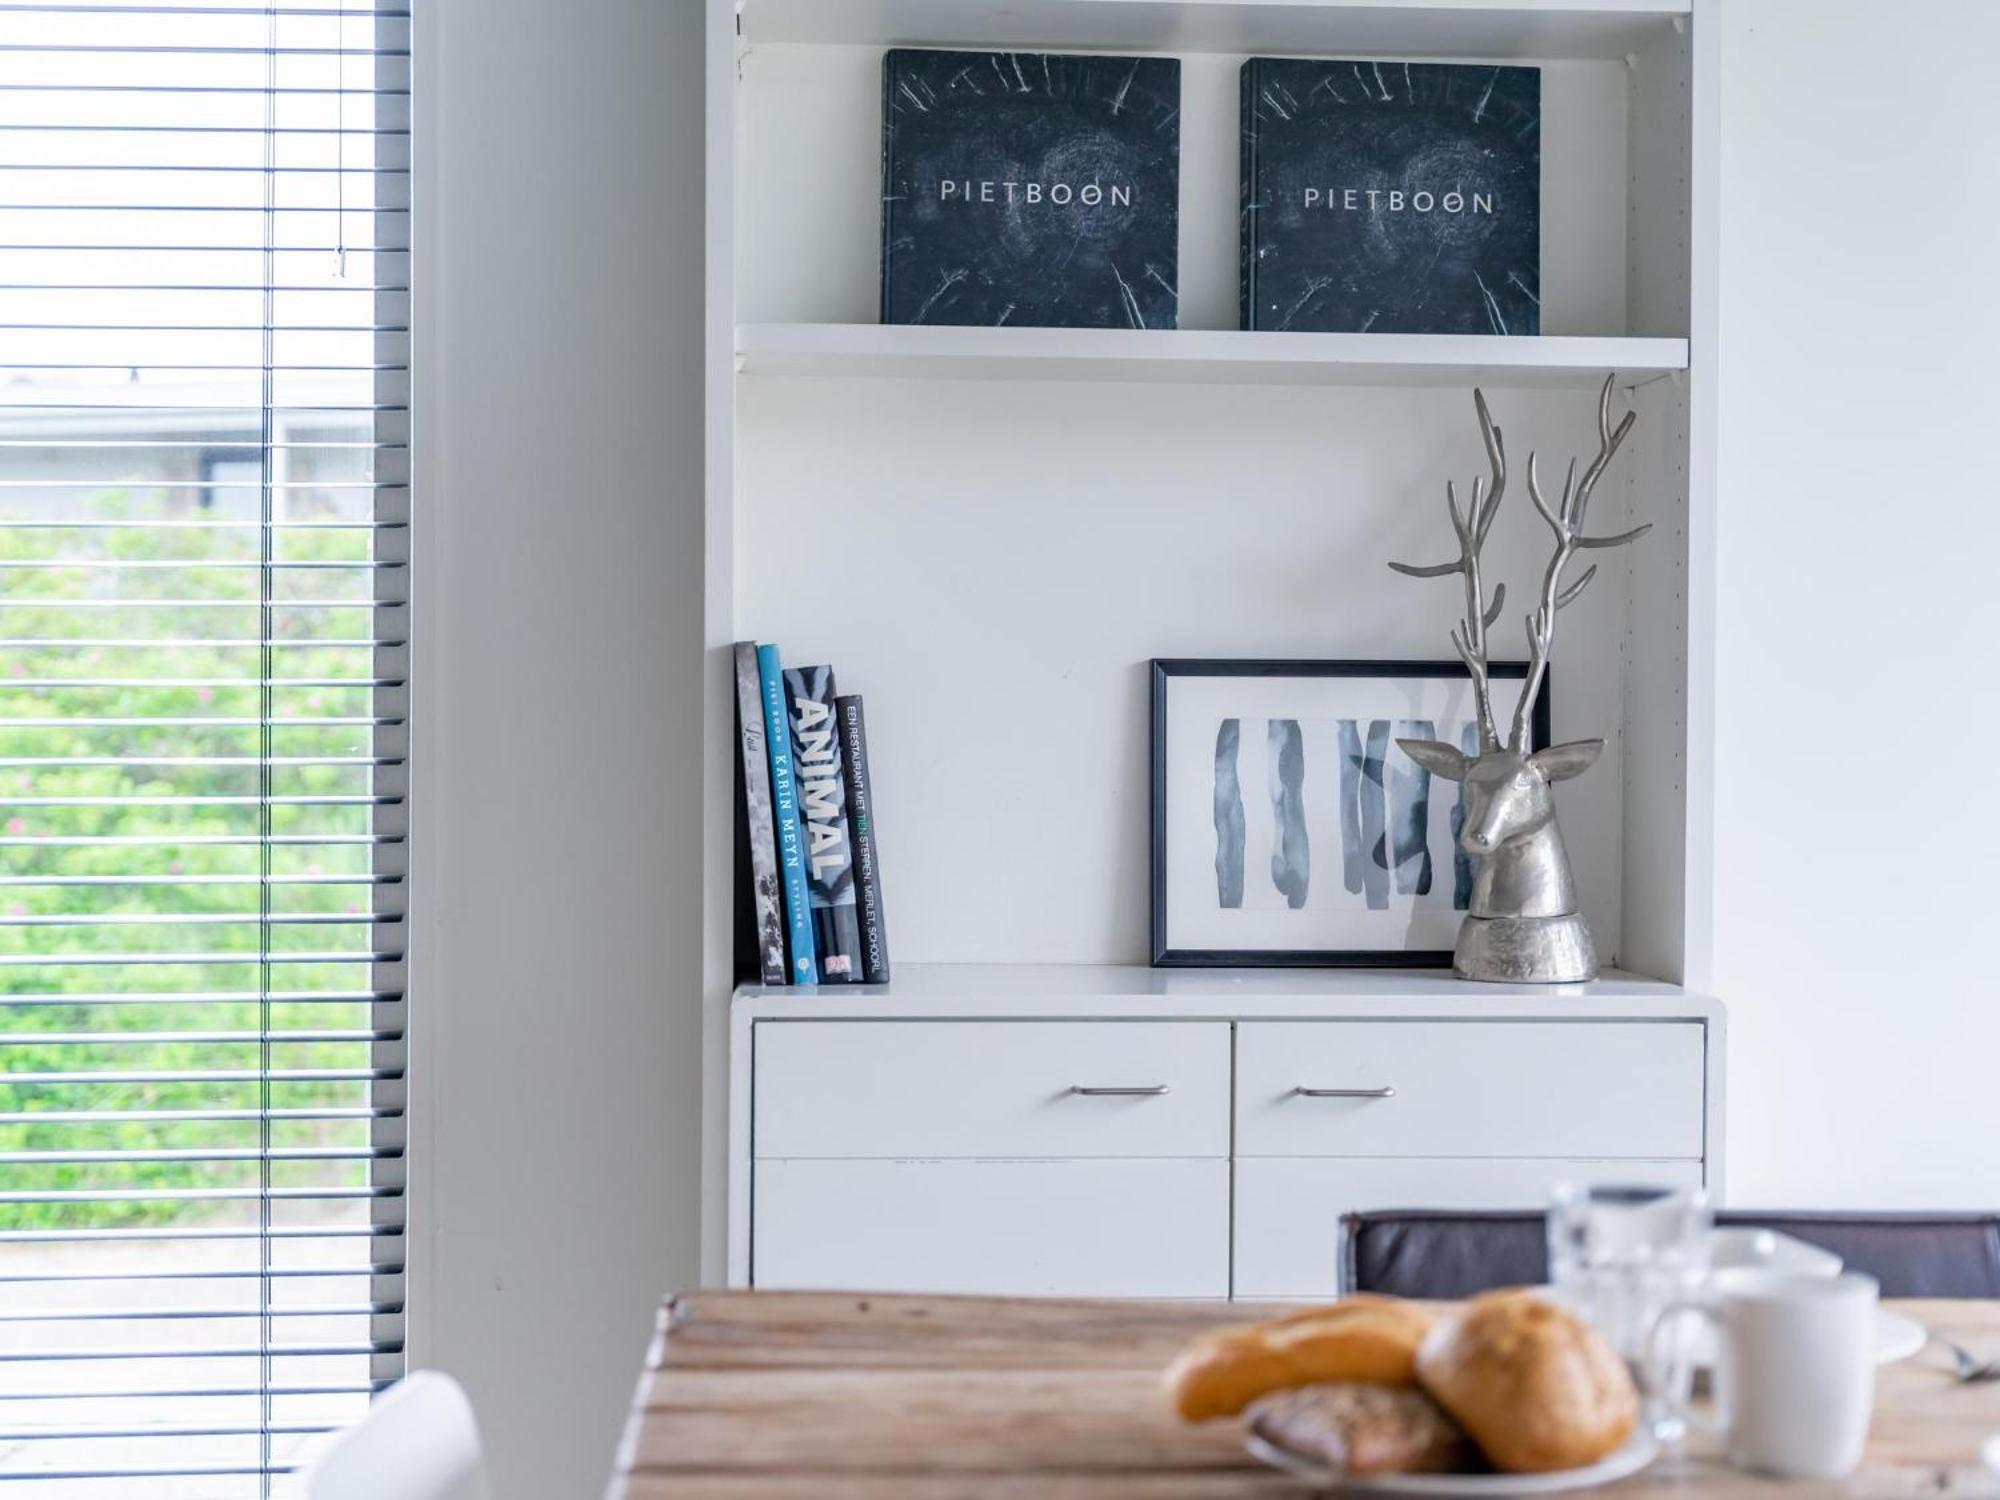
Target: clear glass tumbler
1618, 1255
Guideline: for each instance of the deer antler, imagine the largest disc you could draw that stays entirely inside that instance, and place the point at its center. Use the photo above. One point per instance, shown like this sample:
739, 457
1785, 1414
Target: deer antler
1469, 635
1566, 521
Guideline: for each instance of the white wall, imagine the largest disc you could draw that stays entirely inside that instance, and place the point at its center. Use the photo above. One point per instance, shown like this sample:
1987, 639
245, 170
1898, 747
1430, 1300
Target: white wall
557, 851
1856, 709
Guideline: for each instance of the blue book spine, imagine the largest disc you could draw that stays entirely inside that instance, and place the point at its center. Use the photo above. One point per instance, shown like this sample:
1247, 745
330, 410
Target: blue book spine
785, 807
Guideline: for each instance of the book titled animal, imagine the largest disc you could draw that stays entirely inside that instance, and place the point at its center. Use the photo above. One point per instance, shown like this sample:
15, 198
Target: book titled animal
1023, 188
1390, 197
823, 822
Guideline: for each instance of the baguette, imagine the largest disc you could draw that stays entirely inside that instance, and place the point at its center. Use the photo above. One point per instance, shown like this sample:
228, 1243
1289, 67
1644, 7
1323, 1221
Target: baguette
1370, 1339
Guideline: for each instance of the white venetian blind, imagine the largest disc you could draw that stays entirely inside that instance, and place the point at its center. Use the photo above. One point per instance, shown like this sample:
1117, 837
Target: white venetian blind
204, 427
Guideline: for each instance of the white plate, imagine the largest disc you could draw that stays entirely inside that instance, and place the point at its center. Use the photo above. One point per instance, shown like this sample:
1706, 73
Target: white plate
1991, 1453
1896, 1337
1769, 1250
1630, 1459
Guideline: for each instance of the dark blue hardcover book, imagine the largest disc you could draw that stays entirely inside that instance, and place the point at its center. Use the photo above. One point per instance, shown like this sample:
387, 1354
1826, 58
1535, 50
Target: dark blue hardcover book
861, 819
785, 814
829, 853
1387, 197
1029, 189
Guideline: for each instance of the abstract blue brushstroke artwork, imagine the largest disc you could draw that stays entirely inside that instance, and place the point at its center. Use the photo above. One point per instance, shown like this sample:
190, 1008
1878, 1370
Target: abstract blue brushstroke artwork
1409, 798
1291, 851
1348, 779
1350, 804
1229, 823
1290, 826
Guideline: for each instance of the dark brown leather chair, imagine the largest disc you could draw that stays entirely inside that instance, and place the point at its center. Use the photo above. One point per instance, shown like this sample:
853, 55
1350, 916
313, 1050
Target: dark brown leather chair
1419, 1253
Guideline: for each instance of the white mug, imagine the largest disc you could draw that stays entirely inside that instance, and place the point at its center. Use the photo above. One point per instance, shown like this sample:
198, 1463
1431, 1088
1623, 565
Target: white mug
1795, 1369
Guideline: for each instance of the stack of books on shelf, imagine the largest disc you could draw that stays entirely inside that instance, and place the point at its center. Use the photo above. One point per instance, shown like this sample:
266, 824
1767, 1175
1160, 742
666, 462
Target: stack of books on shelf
806, 837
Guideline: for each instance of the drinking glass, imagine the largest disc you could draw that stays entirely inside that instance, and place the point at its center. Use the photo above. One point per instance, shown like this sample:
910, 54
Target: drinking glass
1618, 1257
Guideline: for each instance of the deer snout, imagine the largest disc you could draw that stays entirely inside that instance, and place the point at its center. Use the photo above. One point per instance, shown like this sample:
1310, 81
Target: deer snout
1510, 812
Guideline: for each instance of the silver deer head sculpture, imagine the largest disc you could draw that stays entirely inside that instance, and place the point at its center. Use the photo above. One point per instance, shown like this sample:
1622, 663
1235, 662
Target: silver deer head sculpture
1523, 926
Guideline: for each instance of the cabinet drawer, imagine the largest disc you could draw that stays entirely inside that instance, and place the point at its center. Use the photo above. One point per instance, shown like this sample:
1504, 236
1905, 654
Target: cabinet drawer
1558, 1089
990, 1089
1019, 1228
1288, 1208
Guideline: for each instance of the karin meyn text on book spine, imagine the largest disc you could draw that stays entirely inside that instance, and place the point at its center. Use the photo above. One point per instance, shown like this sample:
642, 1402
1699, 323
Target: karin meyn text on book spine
766, 915
785, 813
822, 795
861, 818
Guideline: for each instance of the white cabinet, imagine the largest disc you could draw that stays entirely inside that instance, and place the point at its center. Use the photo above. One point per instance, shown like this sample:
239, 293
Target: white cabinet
992, 1089
989, 529
1079, 1227
1088, 1158
1468, 1088
1122, 1132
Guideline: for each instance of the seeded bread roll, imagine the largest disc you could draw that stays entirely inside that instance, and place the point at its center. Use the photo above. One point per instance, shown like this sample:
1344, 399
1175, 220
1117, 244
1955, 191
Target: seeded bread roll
1354, 1428
1371, 1339
1536, 1386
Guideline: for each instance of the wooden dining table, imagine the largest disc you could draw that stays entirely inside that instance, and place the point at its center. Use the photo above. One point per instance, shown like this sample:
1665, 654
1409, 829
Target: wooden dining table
790, 1395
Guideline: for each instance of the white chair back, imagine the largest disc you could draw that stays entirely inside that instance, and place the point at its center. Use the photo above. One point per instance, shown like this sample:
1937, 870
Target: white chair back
418, 1442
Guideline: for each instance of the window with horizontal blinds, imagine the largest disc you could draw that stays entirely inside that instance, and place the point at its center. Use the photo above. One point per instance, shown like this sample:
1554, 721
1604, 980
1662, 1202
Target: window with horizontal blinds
204, 445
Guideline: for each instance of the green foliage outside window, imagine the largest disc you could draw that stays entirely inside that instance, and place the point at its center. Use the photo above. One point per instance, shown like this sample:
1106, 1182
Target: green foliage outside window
174, 700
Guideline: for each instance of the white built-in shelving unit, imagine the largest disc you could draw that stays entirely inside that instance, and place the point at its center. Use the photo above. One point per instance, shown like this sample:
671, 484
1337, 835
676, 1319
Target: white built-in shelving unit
990, 531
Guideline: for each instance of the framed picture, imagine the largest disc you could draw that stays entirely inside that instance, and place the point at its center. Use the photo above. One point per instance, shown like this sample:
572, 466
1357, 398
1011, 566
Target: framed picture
1289, 828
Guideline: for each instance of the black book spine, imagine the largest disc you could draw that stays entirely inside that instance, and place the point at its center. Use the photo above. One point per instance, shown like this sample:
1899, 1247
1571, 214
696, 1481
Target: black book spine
757, 849
861, 819
1246, 284
822, 797
889, 198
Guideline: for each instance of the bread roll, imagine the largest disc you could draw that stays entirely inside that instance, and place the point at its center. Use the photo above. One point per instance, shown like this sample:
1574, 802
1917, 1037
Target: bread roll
1363, 1338
1353, 1428
1536, 1386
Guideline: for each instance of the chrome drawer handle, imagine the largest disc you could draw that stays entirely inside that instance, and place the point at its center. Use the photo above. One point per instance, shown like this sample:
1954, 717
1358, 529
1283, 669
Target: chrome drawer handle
1345, 1093
1142, 1091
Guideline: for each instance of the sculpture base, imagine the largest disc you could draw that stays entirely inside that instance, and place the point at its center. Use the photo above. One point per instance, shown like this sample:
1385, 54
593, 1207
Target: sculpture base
1526, 950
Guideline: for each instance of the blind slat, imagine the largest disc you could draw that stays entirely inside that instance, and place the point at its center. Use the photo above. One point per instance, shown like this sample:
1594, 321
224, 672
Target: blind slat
160, 1277
204, 918
186, 1116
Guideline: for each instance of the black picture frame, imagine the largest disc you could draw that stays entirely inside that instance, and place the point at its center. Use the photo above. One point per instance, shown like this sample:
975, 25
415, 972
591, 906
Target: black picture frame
1163, 670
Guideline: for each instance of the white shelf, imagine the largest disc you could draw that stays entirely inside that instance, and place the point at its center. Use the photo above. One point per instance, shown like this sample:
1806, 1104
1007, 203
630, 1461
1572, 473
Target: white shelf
1546, 29
1199, 356
1057, 991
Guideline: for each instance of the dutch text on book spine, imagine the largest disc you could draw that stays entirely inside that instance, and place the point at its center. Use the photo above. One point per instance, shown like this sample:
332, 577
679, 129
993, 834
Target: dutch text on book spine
861, 819
822, 795
767, 899
785, 813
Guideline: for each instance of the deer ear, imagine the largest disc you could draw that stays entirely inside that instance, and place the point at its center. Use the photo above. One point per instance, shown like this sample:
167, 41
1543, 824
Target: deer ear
1560, 762
1436, 757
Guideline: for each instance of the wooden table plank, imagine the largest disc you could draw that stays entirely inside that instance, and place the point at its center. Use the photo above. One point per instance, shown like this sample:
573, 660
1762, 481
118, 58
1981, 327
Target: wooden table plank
788, 1330
790, 1395
710, 1485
